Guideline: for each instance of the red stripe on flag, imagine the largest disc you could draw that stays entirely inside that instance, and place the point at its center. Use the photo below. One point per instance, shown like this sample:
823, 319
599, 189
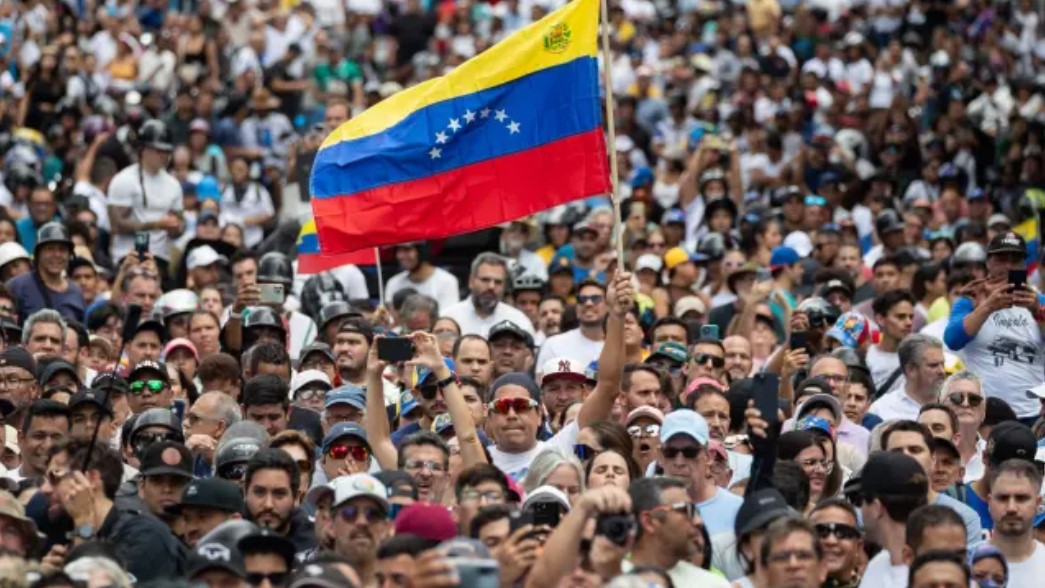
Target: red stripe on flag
467, 198
314, 264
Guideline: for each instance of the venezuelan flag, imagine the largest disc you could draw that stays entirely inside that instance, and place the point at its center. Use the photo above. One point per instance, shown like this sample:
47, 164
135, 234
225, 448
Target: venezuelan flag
1028, 229
312, 261
513, 131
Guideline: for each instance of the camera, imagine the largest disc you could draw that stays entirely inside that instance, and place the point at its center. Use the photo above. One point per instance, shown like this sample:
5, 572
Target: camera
615, 527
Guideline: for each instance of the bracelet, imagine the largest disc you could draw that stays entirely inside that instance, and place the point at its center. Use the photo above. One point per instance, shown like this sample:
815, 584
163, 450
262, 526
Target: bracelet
451, 379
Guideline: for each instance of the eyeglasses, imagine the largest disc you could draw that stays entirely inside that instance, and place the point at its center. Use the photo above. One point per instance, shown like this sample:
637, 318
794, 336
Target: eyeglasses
593, 298
827, 465
642, 432
421, 464
309, 394
703, 358
357, 452
584, 452
839, 530
687, 508
351, 512
154, 386
232, 471
519, 405
490, 496
687, 452
274, 578
958, 399
15, 381
802, 555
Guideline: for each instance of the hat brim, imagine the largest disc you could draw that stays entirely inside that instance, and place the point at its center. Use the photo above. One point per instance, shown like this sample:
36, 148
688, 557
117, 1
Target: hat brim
763, 518
570, 376
1007, 249
166, 471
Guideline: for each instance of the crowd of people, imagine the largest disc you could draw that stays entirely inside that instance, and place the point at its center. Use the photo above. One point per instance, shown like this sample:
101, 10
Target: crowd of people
819, 361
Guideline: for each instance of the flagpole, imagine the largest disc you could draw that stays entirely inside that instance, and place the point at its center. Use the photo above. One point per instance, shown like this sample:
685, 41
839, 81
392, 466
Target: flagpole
611, 126
380, 278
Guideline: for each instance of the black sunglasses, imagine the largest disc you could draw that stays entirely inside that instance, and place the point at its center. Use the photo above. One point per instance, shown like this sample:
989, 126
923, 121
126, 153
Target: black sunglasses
839, 530
428, 392
687, 452
274, 578
703, 358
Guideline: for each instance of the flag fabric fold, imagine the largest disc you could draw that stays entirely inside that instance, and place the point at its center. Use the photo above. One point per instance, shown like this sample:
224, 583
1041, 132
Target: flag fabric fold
513, 131
312, 261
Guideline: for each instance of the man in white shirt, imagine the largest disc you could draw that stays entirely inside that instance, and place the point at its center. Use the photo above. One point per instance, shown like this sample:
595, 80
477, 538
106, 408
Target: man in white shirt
1014, 501
584, 342
921, 358
894, 313
892, 486
963, 393
419, 273
483, 308
145, 198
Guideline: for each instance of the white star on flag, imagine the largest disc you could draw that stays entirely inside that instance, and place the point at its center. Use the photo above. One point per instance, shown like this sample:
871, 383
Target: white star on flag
501, 115
513, 127
435, 153
469, 116
441, 137
455, 125
484, 112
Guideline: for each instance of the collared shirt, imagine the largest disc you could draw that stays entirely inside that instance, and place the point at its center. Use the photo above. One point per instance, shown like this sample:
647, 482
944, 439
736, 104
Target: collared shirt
896, 405
472, 324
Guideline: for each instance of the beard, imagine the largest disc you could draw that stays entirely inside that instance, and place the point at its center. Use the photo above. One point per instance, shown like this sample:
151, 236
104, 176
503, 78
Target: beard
484, 302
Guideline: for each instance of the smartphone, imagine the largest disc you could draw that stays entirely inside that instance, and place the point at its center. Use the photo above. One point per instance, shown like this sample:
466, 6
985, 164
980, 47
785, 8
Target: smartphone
765, 392
709, 332
1018, 279
798, 340
271, 293
546, 514
141, 244
519, 519
476, 573
395, 349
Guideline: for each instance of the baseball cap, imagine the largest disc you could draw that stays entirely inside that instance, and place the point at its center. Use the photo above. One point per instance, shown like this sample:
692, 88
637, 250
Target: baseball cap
673, 216
167, 458
317, 576
348, 394
215, 493
426, 520
305, 377
268, 541
181, 343
398, 483
697, 383
407, 403
93, 396
546, 494
465, 547
59, 366
782, 256
684, 422
690, 304
998, 219
560, 264
890, 473
649, 261
851, 329
836, 285
512, 329
584, 225
345, 488
1007, 242
423, 373
644, 411
816, 382
442, 423
342, 430
759, 509
675, 257
149, 366
564, 368
204, 256
670, 350
819, 400
1011, 440
947, 445
215, 556
18, 357
317, 347
815, 423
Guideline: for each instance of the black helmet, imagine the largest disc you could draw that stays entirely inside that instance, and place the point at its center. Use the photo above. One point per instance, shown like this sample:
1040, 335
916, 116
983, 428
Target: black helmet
712, 246
275, 267
968, 253
52, 232
234, 451
154, 134
229, 533
319, 291
161, 417
21, 174
888, 221
527, 282
339, 309
722, 202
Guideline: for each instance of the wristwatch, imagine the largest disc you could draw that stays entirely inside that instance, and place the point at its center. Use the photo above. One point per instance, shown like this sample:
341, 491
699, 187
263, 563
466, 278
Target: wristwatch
451, 379
83, 532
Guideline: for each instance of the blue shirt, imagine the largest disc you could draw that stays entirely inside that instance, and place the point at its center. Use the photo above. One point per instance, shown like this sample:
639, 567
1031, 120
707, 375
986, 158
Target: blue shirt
29, 298
720, 511
971, 518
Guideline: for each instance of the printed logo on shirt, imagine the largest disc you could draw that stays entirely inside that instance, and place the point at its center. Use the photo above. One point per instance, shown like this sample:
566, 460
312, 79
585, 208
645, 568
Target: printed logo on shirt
1007, 348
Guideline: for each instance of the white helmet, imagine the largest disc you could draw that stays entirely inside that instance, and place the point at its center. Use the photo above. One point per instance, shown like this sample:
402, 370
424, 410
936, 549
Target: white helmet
12, 251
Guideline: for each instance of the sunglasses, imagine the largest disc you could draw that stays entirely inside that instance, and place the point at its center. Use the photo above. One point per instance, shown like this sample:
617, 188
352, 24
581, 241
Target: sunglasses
428, 392
703, 358
519, 405
651, 430
357, 452
154, 386
144, 440
274, 578
310, 394
839, 530
584, 452
372, 514
593, 298
958, 399
687, 508
232, 471
687, 452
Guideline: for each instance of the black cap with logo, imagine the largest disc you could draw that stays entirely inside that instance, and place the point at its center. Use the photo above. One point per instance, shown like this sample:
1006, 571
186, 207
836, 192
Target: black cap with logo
1007, 242
1011, 440
166, 458
215, 493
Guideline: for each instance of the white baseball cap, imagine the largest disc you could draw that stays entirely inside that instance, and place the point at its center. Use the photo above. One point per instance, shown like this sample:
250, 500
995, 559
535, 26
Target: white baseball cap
305, 377
345, 488
649, 261
563, 367
203, 256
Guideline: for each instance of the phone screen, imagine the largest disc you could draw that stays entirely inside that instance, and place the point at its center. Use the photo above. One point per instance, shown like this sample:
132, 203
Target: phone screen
798, 340
395, 349
1018, 278
765, 392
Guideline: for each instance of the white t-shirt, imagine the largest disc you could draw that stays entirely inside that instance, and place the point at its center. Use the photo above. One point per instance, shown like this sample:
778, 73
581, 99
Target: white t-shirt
96, 200
517, 465
881, 573
440, 285
687, 574
1007, 354
162, 195
896, 405
472, 324
1029, 572
256, 201
882, 365
572, 344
